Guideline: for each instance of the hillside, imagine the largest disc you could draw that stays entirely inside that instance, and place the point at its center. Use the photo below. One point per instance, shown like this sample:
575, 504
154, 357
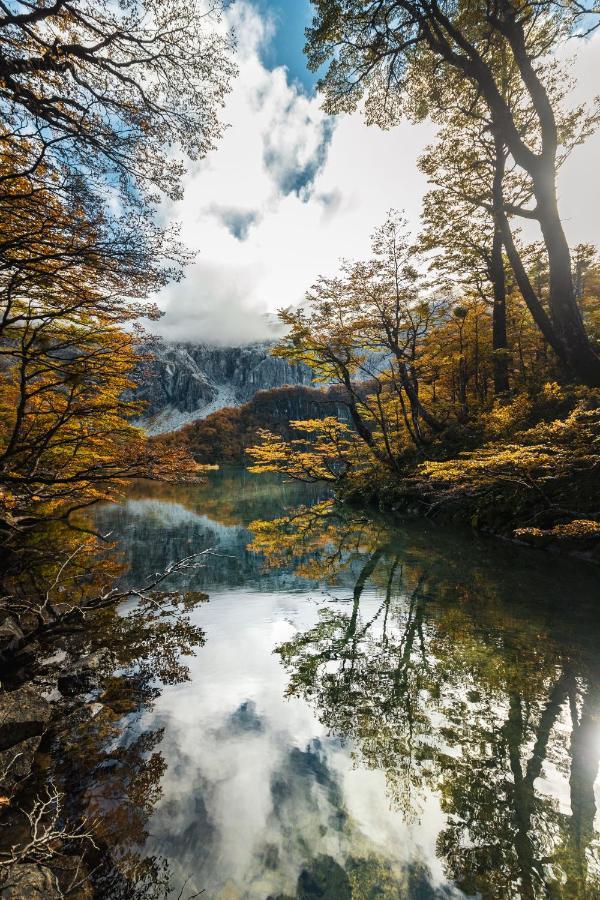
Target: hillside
223, 436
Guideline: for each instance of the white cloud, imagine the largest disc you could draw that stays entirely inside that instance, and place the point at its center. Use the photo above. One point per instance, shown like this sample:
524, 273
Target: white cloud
288, 192
579, 180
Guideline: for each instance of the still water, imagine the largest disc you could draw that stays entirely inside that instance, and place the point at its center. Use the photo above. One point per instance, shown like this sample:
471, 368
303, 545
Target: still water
378, 708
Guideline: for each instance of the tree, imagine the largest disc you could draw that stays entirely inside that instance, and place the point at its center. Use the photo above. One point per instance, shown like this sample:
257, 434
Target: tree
72, 281
409, 56
107, 92
97, 102
365, 329
410, 363
460, 227
325, 452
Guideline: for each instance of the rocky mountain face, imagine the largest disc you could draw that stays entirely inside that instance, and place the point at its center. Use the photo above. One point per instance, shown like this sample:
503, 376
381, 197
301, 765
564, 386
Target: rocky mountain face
185, 382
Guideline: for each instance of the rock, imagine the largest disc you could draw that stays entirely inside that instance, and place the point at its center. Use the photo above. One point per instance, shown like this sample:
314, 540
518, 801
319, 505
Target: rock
23, 714
84, 674
184, 382
28, 881
55, 659
15, 765
10, 635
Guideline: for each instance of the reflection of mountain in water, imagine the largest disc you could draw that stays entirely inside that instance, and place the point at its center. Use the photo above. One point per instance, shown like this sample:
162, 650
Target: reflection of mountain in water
159, 524
152, 534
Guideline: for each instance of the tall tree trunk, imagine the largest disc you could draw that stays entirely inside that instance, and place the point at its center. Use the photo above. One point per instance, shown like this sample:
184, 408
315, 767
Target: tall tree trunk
498, 279
566, 334
564, 309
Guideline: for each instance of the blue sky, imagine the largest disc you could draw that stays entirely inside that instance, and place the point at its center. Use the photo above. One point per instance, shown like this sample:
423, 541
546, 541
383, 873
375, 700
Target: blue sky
290, 18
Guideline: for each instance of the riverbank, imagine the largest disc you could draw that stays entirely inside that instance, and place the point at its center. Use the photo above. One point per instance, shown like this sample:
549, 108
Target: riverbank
537, 484
51, 689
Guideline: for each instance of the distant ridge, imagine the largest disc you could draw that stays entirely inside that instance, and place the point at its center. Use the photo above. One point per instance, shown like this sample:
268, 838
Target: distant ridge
186, 382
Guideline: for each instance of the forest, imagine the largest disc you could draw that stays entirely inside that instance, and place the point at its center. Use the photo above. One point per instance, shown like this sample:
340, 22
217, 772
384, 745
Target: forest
456, 369
468, 352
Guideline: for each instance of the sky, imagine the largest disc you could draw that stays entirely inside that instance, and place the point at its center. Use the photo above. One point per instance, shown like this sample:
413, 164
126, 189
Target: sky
290, 191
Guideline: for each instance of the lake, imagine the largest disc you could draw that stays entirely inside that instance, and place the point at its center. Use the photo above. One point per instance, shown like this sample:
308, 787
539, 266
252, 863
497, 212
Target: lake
377, 708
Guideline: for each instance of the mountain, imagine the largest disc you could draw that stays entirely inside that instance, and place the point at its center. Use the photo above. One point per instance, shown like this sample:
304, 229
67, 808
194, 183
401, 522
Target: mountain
186, 382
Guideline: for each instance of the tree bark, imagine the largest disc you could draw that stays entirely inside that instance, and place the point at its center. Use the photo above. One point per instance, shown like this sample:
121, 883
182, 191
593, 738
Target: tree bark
569, 338
498, 279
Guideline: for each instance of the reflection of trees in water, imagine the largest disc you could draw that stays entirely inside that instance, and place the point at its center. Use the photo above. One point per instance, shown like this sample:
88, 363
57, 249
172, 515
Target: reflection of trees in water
346, 865
105, 765
148, 542
232, 495
111, 764
464, 680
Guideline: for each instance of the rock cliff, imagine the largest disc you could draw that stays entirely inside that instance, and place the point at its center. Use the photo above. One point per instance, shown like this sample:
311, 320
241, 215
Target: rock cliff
185, 382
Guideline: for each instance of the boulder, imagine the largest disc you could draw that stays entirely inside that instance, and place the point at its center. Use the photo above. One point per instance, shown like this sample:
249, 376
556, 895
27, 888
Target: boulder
24, 716
28, 881
15, 766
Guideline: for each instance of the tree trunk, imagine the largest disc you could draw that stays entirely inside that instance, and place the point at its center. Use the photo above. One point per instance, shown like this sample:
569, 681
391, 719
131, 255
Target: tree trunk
411, 391
564, 309
566, 333
498, 279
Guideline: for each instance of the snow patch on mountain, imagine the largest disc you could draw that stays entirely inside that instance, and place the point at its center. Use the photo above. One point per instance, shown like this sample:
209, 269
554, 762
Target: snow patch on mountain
186, 382
171, 419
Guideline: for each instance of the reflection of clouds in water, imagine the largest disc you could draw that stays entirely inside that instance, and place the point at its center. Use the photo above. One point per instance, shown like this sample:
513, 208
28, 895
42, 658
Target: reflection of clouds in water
256, 793
259, 799
170, 515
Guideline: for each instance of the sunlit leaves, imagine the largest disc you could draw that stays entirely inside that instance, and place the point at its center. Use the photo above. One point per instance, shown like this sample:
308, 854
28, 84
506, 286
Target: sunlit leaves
324, 454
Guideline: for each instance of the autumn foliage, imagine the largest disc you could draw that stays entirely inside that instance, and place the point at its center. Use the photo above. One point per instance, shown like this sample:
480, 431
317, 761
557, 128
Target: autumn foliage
223, 437
94, 99
425, 424
72, 284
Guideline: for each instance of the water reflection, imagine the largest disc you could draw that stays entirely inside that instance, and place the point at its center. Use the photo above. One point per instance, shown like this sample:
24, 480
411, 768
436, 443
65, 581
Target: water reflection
459, 686
429, 725
100, 767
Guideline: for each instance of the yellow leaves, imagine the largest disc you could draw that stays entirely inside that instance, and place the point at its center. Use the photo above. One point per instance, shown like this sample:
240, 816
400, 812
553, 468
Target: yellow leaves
323, 454
318, 541
504, 417
577, 528
581, 536
550, 453
66, 433
552, 391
